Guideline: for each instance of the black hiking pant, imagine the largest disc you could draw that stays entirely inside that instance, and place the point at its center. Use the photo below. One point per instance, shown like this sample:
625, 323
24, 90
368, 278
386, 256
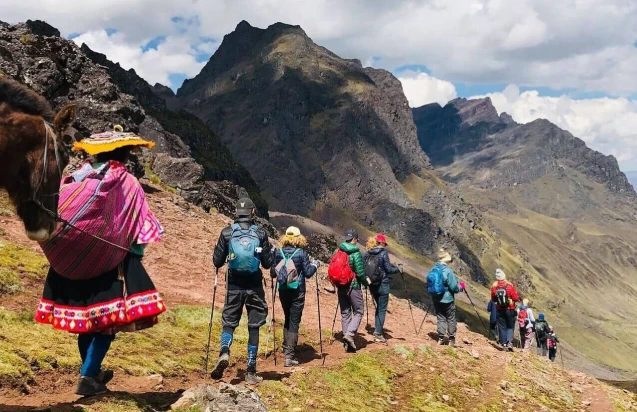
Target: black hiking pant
552, 353
292, 302
446, 316
506, 323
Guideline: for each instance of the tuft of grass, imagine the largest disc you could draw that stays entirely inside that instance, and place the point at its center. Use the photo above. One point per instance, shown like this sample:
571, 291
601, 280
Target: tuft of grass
17, 263
27, 39
174, 347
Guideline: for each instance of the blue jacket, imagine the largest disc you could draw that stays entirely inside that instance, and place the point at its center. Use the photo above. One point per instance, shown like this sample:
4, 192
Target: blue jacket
385, 266
451, 282
301, 261
493, 318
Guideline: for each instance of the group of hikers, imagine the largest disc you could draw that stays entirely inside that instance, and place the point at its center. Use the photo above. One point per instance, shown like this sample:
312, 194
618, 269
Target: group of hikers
97, 286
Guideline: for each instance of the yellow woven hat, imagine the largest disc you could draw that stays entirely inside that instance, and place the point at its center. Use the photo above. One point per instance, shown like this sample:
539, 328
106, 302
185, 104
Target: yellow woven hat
109, 141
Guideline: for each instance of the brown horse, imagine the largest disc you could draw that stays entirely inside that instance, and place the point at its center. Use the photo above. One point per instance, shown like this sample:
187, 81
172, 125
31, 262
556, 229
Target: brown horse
32, 156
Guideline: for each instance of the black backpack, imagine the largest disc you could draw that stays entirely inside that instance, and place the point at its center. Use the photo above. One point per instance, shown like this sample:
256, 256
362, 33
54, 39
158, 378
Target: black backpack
541, 329
372, 268
501, 297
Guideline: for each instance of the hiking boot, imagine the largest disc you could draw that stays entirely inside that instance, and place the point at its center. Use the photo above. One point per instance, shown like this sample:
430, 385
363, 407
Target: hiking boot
350, 346
253, 379
380, 339
88, 386
452, 342
290, 362
222, 364
441, 341
104, 377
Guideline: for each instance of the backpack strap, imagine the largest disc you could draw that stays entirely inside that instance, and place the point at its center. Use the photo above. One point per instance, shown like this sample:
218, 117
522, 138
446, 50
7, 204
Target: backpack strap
235, 227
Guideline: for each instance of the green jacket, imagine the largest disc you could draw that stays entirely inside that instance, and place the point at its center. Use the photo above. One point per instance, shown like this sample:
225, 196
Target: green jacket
356, 263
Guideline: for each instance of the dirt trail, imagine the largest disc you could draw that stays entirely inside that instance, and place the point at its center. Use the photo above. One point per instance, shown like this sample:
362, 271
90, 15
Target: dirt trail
182, 271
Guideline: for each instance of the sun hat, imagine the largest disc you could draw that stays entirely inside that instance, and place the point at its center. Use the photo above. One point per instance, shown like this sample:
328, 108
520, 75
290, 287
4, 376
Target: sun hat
108, 141
444, 256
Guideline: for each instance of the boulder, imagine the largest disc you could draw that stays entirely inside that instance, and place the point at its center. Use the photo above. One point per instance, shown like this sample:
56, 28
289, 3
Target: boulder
225, 398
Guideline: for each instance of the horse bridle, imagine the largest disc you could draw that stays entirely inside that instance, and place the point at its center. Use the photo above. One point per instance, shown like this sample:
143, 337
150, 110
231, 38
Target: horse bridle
38, 203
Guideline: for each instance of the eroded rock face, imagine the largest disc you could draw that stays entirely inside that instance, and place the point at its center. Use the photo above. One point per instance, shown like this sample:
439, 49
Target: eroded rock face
225, 398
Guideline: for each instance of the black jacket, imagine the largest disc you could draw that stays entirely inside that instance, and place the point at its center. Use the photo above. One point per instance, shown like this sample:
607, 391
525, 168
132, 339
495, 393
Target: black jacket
385, 266
301, 262
220, 255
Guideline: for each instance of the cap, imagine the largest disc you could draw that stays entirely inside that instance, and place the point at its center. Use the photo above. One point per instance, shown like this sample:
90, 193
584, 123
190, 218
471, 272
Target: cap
351, 234
293, 231
380, 238
244, 206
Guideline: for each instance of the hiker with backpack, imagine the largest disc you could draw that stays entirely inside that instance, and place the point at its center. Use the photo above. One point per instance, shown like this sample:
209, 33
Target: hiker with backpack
291, 266
245, 247
442, 285
493, 320
542, 331
504, 295
378, 269
551, 342
347, 274
526, 322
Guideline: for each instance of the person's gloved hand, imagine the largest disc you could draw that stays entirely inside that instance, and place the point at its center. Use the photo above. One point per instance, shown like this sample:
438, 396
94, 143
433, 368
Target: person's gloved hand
400, 267
316, 263
463, 286
368, 280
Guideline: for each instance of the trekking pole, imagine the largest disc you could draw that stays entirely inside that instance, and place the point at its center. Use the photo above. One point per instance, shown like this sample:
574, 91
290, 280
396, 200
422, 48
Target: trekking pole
408, 301
561, 357
318, 305
424, 319
334, 322
212, 311
366, 308
267, 341
474, 308
273, 321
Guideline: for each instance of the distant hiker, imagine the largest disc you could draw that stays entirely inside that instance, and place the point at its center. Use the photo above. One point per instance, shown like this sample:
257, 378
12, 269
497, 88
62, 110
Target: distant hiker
245, 246
442, 285
551, 343
526, 322
93, 288
541, 335
347, 273
504, 295
291, 266
493, 320
378, 269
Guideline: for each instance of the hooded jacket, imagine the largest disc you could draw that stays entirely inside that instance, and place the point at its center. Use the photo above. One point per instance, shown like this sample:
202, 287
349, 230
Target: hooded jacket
451, 282
384, 265
356, 263
301, 261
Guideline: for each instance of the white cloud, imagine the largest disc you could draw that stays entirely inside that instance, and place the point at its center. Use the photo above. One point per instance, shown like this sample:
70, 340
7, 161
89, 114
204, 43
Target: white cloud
421, 88
174, 55
608, 125
587, 45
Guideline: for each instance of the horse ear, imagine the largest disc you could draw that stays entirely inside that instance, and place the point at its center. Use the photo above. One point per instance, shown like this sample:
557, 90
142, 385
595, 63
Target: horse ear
64, 118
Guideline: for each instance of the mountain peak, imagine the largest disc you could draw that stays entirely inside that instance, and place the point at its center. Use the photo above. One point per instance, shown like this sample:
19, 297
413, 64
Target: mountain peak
473, 111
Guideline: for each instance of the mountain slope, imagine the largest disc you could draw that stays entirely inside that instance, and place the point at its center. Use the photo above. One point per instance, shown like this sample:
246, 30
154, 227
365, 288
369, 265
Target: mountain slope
326, 138
569, 210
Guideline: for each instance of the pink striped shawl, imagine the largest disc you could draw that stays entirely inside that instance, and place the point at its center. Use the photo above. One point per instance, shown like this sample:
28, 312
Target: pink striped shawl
113, 208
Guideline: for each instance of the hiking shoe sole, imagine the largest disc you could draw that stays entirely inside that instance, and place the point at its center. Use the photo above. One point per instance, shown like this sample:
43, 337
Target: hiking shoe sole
220, 367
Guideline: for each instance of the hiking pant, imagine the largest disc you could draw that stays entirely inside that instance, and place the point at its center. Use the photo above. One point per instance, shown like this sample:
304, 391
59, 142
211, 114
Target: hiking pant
552, 353
380, 294
526, 336
352, 305
506, 323
446, 314
257, 308
93, 348
542, 348
292, 302
493, 330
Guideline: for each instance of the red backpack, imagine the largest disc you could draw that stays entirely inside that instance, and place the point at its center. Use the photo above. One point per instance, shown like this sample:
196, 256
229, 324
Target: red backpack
523, 317
339, 271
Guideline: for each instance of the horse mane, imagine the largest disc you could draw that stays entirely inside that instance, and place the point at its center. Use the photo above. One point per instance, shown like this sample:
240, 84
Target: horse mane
23, 99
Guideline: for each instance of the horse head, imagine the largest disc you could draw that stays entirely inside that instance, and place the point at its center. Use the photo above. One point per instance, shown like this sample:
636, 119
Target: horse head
37, 197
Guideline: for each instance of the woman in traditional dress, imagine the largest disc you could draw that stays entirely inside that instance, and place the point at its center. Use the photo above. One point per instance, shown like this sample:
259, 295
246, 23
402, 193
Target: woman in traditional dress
96, 285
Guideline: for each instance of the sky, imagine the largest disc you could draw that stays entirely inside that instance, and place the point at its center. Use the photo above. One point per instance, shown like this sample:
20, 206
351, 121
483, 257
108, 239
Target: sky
569, 61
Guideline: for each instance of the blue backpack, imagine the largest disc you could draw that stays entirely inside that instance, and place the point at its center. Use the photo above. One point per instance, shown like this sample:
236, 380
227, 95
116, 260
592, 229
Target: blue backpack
243, 249
436, 281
